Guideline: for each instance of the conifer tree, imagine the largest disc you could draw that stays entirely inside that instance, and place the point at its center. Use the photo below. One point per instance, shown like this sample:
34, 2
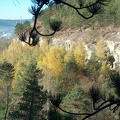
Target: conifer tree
6, 77
33, 99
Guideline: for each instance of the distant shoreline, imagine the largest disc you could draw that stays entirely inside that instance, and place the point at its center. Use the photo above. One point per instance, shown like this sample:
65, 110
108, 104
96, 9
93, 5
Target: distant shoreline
7, 27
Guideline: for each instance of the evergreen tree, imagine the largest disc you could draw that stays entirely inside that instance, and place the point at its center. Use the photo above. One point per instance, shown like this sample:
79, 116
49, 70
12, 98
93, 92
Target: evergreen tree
6, 71
33, 99
21, 27
18, 28
26, 24
6, 77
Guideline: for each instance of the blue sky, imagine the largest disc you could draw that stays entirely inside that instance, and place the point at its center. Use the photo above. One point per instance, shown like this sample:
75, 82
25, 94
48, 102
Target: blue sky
15, 9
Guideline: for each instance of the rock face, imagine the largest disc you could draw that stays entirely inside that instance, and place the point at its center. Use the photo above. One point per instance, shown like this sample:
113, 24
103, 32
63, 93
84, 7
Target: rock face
115, 52
89, 39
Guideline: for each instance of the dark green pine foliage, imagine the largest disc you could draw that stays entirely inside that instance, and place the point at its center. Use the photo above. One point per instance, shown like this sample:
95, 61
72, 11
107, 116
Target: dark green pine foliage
6, 71
54, 114
33, 99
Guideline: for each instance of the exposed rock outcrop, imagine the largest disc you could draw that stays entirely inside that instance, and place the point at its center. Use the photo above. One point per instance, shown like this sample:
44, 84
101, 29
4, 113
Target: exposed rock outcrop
89, 38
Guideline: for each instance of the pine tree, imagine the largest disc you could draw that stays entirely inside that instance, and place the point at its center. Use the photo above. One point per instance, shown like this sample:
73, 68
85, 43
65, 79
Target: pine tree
33, 99
6, 77
6, 71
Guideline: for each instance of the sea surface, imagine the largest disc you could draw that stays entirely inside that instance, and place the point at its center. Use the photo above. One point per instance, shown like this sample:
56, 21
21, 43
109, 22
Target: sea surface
6, 32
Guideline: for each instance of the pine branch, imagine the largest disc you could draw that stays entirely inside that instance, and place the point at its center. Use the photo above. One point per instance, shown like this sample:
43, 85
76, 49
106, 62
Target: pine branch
36, 10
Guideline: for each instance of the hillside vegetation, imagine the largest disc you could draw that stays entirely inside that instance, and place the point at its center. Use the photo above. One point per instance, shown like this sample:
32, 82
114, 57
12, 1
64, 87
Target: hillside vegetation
29, 75
68, 73
70, 18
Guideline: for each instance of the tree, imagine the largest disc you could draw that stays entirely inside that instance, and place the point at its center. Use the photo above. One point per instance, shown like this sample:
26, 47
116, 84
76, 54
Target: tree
101, 50
69, 55
26, 24
6, 77
18, 83
52, 62
93, 8
70, 71
54, 114
21, 27
80, 56
32, 101
75, 100
14, 53
6, 71
93, 67
100, 101
18, 28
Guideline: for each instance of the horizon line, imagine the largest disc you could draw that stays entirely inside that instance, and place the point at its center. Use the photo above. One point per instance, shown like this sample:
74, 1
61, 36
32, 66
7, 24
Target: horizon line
16, 19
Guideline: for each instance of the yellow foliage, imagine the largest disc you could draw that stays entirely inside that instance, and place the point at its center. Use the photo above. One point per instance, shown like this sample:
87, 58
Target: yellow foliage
44, 45
52, 62
35, 52
43, 64
19, 72
14, 52
101, 76
14, 88
80, 56
68, 56
104, 67
3, 56
62, 51
55, 65
43, 49
100, 50
56, 52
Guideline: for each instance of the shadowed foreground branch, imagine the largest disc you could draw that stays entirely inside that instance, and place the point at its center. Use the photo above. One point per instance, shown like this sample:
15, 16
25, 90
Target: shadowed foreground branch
111, 103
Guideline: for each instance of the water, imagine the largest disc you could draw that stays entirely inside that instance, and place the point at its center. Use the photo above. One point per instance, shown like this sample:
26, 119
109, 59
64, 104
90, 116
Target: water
6, 32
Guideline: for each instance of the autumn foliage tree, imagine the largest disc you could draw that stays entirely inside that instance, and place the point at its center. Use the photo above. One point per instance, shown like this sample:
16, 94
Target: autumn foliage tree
100, 49
80, 56
52, 62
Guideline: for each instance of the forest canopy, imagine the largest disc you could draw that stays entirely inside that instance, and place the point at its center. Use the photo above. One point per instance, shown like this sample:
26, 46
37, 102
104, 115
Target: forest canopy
54, 83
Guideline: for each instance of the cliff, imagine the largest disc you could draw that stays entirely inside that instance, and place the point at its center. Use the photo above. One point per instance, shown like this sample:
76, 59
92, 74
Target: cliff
89, 37
110, 35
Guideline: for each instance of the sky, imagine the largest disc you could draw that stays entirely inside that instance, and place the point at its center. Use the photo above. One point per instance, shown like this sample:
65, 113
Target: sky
15, 9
